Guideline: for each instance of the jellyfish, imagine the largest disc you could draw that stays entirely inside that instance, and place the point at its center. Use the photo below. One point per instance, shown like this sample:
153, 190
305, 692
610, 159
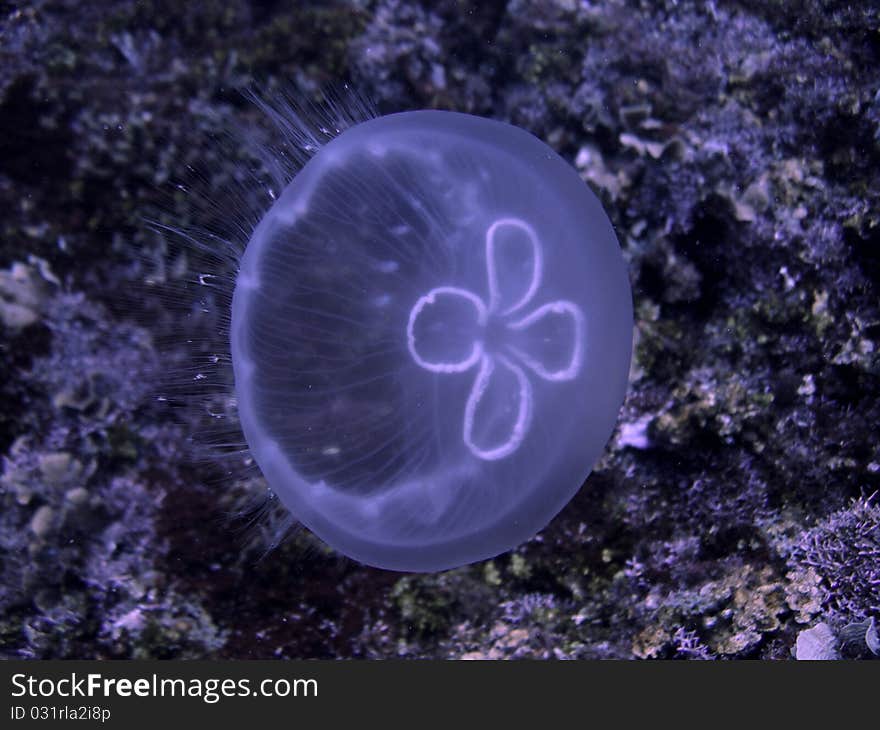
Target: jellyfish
431, 333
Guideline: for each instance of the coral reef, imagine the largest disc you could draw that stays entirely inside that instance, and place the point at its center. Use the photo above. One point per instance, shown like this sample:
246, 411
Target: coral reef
734, 145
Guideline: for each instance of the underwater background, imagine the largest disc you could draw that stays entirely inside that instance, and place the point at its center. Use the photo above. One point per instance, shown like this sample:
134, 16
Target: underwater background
735, 147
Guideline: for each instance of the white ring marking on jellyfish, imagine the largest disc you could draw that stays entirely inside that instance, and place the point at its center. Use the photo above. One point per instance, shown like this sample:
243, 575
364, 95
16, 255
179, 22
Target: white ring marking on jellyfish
537, 264
428, 299
570, 371
523, 416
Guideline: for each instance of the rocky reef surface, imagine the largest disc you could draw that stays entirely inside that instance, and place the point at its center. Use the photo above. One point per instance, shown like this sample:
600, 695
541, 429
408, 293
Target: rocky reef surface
735, 146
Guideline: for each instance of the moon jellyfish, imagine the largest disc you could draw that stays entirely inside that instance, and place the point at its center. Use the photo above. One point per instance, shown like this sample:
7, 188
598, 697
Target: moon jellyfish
431, 336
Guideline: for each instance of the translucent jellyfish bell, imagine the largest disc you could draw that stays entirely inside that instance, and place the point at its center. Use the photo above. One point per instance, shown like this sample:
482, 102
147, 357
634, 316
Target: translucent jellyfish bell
431, 337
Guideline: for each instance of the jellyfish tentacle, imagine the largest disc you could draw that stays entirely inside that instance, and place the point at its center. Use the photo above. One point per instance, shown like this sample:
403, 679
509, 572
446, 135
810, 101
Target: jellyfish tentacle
499, 290
520, 394
571, 367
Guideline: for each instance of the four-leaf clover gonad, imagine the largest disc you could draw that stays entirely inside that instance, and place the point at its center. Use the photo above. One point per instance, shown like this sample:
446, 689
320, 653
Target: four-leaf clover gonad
490, 339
